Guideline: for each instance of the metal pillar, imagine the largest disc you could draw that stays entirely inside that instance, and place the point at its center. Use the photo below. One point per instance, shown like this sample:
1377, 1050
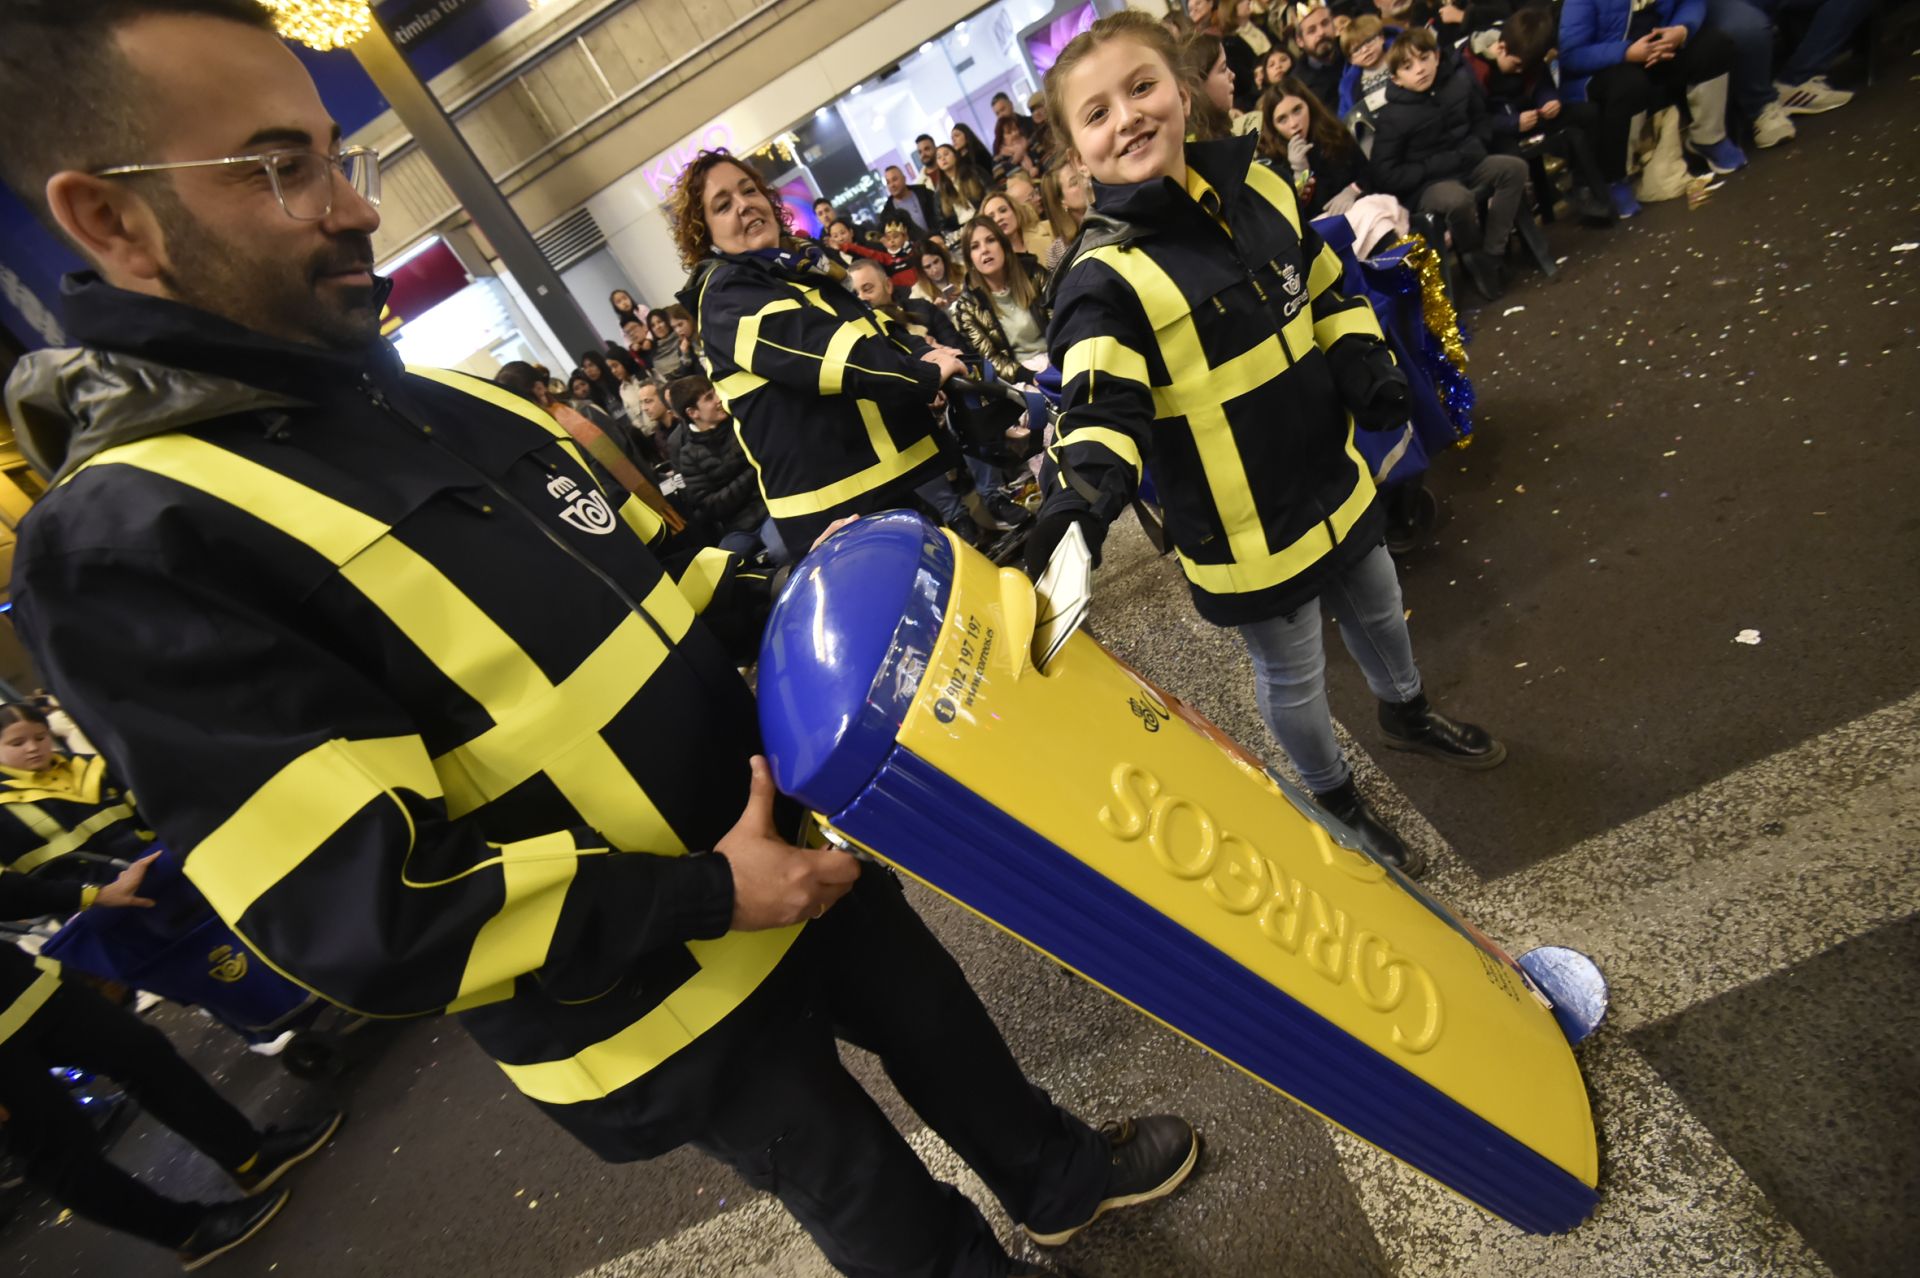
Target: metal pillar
436, 135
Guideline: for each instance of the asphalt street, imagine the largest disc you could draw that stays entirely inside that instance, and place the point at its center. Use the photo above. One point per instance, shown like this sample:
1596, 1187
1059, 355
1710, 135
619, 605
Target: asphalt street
1678, 576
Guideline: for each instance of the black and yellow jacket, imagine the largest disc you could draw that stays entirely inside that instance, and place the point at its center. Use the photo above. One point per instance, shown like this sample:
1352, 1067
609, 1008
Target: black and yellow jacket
71, 805
26, 983
829, 398
398, 673
1199, 334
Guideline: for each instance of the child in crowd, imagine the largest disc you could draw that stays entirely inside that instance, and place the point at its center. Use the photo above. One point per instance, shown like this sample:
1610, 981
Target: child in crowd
1430, 151
1204, 339
1510, 64
1302, 140
1632, 58
1363, 85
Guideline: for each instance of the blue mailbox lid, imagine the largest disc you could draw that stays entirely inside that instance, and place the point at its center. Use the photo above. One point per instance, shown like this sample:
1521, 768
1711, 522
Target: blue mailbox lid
844, 652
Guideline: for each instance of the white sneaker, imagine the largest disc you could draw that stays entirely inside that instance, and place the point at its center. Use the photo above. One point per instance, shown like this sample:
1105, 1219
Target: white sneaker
1811, 97
1773, 127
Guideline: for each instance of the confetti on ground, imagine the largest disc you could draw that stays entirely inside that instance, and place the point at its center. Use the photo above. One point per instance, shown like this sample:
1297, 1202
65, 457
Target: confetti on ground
1512, 310
1749, 637
1908, 247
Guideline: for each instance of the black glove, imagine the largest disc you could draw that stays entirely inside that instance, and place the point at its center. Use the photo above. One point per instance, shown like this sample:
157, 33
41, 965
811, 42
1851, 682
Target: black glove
1052, 525
1371, 385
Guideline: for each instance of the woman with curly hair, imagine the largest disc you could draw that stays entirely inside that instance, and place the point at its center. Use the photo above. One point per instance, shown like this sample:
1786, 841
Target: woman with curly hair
831, 399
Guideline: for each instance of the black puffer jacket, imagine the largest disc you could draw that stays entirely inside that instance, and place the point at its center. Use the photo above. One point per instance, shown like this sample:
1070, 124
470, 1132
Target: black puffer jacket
721, 484
1436, 136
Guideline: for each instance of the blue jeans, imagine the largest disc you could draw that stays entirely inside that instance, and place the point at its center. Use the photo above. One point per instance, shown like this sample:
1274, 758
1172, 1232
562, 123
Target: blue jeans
749, 544
1290, 663
1749, 23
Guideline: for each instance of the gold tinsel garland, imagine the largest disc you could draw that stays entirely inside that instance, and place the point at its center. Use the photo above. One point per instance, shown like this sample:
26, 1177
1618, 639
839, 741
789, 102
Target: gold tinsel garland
321, 24
1435, 306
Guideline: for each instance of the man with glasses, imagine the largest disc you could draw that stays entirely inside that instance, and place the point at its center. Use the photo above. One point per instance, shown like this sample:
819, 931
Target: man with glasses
399, 673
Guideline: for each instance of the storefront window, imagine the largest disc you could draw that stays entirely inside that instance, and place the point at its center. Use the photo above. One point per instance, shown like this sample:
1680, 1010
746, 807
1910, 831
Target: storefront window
841, 149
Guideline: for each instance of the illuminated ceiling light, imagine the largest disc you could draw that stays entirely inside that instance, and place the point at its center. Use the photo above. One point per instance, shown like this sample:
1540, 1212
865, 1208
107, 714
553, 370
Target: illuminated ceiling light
822, 114
927, 47
321, 24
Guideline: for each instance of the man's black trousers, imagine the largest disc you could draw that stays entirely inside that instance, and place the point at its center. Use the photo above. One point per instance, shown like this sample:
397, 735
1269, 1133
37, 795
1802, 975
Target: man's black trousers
57, 1142
796, 1124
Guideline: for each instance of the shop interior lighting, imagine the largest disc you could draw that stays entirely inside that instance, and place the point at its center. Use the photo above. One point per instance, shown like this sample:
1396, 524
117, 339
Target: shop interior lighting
321, 24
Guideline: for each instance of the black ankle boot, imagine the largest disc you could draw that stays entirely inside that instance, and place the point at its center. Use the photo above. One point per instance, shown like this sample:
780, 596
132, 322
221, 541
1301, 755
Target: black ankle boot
1345, 804
1484, 270
1416, 725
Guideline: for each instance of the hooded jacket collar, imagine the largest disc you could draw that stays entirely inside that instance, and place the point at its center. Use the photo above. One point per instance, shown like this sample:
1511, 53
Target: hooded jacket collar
147, 366
1122, 214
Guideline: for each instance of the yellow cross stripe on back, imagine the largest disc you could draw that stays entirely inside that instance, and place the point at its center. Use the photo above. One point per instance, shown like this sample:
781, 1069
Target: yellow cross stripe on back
448, 628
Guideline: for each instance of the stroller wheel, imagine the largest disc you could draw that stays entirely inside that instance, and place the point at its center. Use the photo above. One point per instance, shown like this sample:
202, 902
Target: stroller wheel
312, 1055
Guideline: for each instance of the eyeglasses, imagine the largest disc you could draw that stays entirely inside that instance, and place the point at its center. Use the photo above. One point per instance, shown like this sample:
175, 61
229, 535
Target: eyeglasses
302, 180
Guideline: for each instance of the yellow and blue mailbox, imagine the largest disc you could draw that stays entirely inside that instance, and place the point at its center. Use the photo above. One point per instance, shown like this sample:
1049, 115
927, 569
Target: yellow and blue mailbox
1099, 821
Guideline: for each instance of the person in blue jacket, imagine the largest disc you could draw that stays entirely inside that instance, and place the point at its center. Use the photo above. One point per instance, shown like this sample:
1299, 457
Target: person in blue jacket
1634, 57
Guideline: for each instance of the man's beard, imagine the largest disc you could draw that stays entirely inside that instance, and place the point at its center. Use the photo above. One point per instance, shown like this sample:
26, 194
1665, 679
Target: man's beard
273, 296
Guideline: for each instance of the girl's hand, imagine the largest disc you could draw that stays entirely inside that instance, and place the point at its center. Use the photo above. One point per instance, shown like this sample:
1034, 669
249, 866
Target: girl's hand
1297, 149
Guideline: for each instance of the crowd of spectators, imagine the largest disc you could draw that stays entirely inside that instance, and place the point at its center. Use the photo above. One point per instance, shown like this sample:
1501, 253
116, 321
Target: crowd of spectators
1458, 121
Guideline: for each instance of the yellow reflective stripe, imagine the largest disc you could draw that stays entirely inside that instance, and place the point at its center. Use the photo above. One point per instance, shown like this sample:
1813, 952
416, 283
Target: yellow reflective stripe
1104, 355
1259, 572
336, 531
641, 519
297, 810
34, 817
546, 721
1358, 318
16, 1014
1167, 308
1117, 442
537, 873
1240, 375
729, 967
501, 397
814, 299
448, 628
861, 481
1325, 271
737, 386
747, 336
1276, 192
704, 575
1196, 395
833, 368
73, 840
